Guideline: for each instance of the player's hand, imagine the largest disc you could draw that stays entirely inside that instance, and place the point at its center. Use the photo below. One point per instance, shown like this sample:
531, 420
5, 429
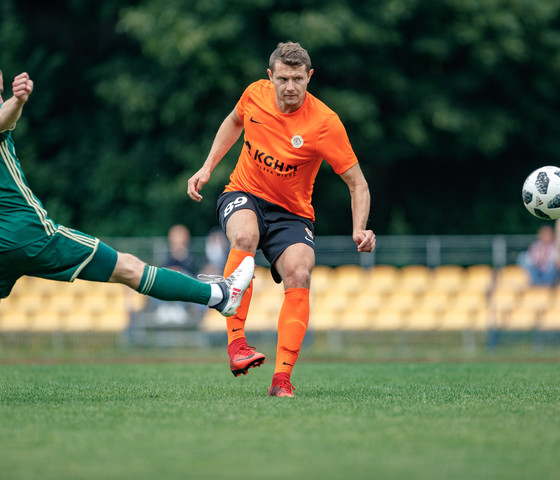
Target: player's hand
365, 240
22, 87
195, 184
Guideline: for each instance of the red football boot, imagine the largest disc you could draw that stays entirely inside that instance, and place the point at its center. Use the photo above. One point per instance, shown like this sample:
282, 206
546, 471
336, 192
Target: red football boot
242, 357
281, 386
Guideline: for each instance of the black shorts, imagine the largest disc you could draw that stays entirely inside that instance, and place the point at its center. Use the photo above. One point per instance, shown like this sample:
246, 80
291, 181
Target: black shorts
278, 228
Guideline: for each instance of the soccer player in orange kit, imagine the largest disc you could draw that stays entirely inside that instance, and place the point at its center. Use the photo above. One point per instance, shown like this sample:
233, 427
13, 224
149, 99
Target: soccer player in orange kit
267, 204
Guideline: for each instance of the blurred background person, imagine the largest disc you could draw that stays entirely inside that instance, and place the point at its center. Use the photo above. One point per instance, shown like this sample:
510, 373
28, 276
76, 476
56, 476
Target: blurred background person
179, 255
540, 259
216, 250
181, 259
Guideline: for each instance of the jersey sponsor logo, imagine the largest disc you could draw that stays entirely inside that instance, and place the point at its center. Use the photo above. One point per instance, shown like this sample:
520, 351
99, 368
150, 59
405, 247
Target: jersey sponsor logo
297, 141
273, 164
254, 121
270, 164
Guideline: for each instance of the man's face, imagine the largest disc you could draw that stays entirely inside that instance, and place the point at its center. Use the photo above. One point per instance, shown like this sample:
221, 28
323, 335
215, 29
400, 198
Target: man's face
1, 88
290, 85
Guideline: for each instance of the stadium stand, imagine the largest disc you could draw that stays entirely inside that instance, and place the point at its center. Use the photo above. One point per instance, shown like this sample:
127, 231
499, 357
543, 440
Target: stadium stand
550, 320
416, 298
38, 305
383, 298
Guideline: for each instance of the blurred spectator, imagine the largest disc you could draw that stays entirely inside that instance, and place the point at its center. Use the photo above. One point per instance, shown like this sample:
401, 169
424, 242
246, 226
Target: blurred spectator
216, 250
179, 256
181, 259
540, 260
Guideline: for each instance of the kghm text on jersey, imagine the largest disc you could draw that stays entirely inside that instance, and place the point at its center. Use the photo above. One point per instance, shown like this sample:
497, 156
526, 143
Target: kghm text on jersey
275, 165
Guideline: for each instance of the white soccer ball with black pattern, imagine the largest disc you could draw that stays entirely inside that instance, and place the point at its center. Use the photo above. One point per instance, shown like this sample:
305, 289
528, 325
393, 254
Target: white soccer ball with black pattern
541, 193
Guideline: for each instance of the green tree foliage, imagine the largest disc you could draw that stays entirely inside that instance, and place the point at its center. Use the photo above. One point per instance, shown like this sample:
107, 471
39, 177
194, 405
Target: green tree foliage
449, 104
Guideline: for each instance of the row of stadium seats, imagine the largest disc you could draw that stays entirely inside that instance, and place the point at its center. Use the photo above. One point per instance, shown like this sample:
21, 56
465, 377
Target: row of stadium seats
38, 305
410, 298
347, 297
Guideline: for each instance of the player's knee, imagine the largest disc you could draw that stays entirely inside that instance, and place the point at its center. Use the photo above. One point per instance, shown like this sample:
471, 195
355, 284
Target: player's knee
245, 240
129, 269
297, 277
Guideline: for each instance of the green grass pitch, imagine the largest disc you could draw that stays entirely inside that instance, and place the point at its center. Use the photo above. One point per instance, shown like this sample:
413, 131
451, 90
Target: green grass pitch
485, 420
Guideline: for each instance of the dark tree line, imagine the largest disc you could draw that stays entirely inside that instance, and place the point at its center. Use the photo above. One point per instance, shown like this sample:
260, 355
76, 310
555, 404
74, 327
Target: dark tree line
449, 104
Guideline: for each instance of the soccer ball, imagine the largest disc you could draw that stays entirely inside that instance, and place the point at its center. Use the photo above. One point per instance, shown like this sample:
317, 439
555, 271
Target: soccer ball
541, 193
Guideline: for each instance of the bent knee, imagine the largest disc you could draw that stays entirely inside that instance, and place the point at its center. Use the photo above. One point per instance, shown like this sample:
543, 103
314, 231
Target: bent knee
128, 270
245, 240
298, 277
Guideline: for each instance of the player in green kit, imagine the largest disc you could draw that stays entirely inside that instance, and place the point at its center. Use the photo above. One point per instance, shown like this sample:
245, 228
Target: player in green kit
32, 244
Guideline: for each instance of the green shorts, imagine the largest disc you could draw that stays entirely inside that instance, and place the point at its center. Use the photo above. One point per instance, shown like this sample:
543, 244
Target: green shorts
66, 255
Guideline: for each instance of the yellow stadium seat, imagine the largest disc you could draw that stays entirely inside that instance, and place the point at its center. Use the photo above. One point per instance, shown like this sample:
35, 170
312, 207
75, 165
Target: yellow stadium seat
519, 319
100, 299
481, 319
456, 319
324, 320
46, 321
478, 278
512, 277
213, 321
536, 298
61, 302
264, 309
321, 279
550, 319
469, 300
347, 278
448, 278
30, 301
356, 319
32, 284
381, 278
111, 320
334, 301
415, 278
262, 279
13, 320
369, 301
348, 271
134, 301
80, 320
388, 319
436, 300
463, 320
267, 301
403, 300
261, 322
420, 319
503, 300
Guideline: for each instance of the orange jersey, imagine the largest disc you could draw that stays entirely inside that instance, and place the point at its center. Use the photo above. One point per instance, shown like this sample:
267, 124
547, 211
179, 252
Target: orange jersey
282, 152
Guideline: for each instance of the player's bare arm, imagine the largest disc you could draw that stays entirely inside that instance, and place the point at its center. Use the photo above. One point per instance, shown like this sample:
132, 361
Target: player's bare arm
227, 135
360, 202
10, 112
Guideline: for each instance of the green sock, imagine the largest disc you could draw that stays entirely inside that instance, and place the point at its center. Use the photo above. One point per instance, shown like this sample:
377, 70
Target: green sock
170, 285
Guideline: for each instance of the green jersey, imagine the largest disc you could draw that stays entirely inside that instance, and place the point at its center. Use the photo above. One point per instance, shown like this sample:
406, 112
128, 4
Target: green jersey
33, 244
23, 219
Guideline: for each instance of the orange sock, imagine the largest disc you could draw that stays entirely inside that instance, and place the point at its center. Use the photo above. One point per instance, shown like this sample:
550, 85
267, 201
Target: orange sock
236, 323
292, 325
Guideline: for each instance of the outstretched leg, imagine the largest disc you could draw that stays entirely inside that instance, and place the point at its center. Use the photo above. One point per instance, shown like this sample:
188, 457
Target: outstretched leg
169, 285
